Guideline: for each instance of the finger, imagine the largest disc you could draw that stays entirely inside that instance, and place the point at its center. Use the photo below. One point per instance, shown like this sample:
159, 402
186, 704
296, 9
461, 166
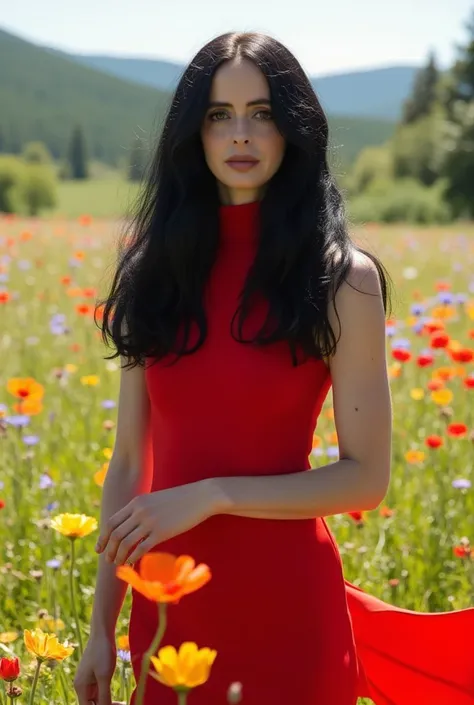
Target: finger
142, 548
129, 543
111, 524
118, 535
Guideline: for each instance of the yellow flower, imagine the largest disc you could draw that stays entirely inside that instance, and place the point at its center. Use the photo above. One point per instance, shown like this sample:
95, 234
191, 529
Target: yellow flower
70, 367
8, 637
74, 525
107, 453
185, 669
414, 456
417, 393
46, 646
90, 380
53, 625
443, 312
442, 396
99, 476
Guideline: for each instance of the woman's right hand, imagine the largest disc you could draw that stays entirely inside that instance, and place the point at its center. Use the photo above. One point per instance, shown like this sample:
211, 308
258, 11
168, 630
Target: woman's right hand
95, 670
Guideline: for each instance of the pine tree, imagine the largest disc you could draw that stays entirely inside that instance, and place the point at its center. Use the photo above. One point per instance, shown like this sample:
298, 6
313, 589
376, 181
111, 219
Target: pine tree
463, 69
77, 155
423, 95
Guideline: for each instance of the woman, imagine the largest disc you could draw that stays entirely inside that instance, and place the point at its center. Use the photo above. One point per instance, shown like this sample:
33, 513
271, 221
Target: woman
220, 394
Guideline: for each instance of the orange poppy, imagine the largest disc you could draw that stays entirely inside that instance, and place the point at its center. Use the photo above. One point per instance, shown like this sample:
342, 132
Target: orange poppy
162, 577
25, 388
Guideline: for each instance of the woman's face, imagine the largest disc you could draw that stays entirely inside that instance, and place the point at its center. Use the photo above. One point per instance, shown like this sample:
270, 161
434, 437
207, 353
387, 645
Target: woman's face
239, 122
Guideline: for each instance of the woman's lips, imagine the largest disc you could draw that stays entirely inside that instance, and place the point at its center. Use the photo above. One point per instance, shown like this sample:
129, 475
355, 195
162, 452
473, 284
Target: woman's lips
244, 165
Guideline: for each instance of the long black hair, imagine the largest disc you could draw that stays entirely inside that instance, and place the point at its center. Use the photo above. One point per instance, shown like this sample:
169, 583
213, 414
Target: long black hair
168, 250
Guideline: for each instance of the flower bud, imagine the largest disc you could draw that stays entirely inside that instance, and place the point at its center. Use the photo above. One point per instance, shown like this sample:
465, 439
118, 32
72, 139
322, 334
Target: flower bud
9, 669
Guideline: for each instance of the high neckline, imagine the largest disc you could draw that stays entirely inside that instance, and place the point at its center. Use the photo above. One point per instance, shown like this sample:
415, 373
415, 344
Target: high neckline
239, 223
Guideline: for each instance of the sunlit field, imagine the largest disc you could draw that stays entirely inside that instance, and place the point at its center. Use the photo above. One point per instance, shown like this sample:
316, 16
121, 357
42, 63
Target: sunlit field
57, 424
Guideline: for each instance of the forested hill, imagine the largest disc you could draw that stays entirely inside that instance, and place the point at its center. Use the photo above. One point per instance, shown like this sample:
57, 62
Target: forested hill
44, 94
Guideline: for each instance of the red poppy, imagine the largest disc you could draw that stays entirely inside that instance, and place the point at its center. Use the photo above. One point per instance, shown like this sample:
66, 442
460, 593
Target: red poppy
434, 441
424, 360
463, 551
357, 516
469, 382
457, 429
4, 297
2, 504
84, 309
433, 326
439, 340
462, 355
401, 354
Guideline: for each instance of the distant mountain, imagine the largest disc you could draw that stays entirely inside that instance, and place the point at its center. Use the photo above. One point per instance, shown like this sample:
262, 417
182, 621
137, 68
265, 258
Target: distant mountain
43, 96
45, 93
375, 93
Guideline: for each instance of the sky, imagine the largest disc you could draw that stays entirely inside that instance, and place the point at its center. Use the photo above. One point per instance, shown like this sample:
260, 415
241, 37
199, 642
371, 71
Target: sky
326, 37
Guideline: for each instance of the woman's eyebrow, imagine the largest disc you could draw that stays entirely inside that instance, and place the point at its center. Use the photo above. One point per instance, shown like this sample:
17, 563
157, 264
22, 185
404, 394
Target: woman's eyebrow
220, 104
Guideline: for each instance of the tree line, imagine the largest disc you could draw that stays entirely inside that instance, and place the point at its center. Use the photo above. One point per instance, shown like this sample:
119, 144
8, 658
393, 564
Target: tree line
424, 173
426, 170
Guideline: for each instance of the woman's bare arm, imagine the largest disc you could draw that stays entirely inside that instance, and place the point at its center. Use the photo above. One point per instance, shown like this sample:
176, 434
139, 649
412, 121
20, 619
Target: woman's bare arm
363, 417
129, 474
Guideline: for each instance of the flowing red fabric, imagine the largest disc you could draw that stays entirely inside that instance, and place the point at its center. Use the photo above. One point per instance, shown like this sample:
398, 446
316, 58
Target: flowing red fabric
412, 658
278, 611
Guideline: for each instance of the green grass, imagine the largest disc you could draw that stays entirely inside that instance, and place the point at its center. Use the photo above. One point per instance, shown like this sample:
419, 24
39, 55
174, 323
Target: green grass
100, 198
414, 546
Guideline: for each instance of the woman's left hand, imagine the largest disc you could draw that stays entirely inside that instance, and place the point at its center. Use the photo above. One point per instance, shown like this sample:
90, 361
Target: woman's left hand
150, 519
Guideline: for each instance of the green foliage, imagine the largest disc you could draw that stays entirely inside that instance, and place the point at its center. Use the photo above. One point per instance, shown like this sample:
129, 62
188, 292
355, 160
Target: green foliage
36, 153
25, 187
77, 155
43, 95
11, 172
418, 148
463, 69
372, 164
459, 162
402, 200
38, 188
424, 93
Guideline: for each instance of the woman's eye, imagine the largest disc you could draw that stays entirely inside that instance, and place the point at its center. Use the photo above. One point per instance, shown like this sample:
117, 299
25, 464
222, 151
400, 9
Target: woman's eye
214, 116
267, 113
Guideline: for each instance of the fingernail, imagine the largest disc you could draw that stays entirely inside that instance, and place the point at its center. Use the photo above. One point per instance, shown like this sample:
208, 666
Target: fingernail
97, 546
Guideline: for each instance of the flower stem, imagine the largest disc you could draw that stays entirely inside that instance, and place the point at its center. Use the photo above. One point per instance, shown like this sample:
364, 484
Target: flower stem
35, 682
151, 652
73, 596
182, 697
62, 678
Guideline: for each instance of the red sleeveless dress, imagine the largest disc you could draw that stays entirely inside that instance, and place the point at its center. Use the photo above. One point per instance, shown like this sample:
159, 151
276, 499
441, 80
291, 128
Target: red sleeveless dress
284, 621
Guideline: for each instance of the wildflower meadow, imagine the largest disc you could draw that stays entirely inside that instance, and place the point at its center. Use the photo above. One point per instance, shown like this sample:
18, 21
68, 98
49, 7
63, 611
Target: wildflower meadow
58, 406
